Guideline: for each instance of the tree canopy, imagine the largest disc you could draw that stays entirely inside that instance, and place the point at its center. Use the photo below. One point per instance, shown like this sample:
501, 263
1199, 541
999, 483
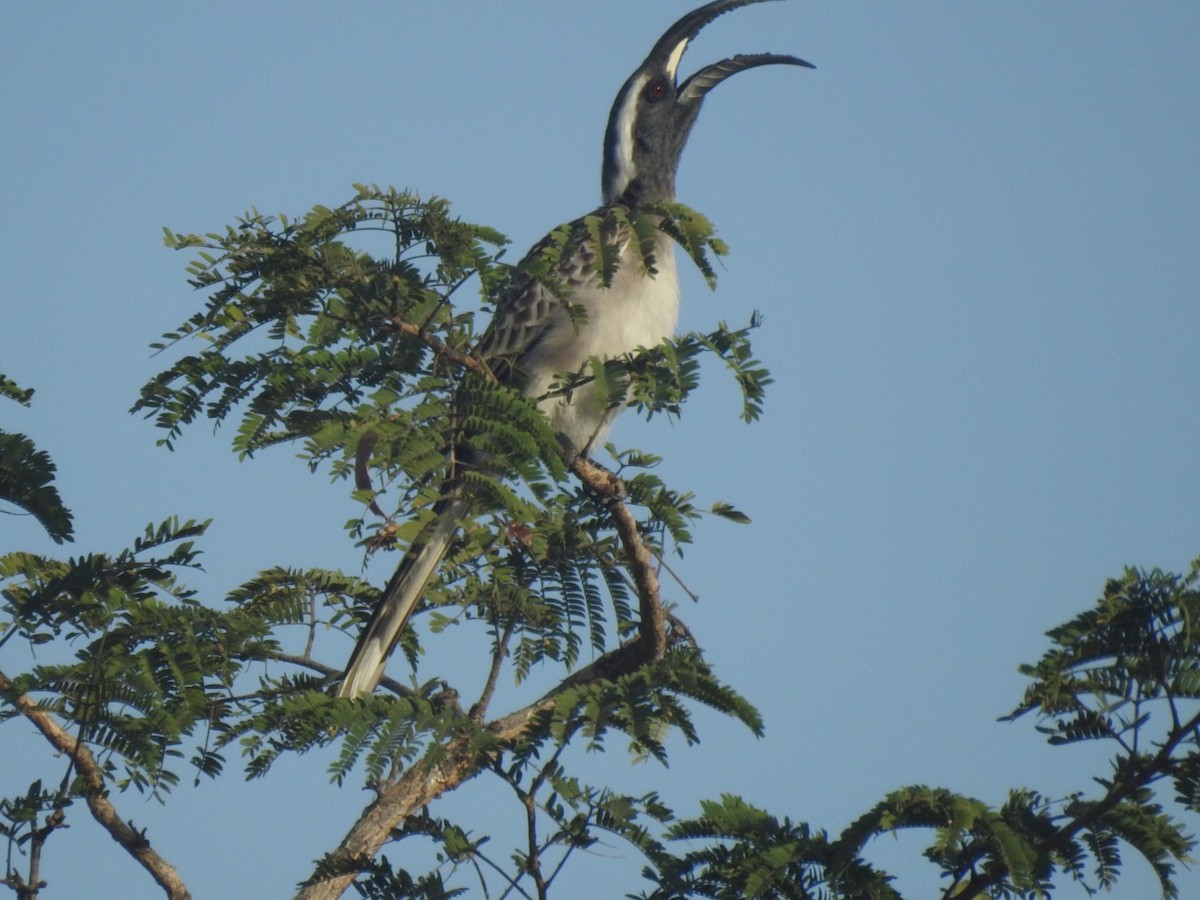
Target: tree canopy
310, 336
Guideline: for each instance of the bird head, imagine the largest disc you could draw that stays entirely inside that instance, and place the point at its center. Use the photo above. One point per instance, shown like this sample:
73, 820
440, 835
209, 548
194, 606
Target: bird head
654, 113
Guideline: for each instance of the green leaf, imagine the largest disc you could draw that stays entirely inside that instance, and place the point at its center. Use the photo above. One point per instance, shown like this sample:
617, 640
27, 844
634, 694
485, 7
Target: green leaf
26, 474
727, 511
13, 391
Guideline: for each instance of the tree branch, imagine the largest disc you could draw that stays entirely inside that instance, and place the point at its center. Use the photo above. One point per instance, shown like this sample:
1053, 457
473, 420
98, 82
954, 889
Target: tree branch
134, 842
441, 348
27, 889
479, 710
608, 486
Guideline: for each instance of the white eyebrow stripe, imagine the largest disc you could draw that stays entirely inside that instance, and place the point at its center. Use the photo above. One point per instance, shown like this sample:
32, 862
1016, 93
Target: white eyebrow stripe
624, 148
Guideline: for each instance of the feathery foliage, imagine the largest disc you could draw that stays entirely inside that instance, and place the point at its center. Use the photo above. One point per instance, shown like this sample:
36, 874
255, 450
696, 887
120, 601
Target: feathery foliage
348, 335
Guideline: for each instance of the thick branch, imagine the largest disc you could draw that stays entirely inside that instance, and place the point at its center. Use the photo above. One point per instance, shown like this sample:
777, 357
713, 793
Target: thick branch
102, 810
446, 766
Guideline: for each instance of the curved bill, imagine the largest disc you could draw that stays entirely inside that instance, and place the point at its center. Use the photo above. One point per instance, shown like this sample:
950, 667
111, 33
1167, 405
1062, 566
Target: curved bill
675, 39
699, 84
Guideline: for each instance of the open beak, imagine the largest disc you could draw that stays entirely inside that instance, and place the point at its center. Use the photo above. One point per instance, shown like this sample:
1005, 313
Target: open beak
671, 46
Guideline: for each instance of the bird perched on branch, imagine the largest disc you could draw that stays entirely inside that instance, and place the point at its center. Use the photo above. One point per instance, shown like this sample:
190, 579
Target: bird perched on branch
592, 312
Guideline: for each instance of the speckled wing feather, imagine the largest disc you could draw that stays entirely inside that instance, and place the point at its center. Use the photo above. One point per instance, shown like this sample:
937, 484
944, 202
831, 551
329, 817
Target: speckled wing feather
532, 305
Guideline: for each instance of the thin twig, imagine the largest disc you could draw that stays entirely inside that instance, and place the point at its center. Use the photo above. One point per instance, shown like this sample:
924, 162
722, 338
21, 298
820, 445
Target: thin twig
498, 655
312, 623
512, 883
533, 860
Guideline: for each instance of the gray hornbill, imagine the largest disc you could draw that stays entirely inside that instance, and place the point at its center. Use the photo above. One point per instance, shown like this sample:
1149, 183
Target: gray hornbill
533, 337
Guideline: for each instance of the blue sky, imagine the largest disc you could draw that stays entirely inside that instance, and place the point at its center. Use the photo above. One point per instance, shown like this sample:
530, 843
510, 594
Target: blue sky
973, 232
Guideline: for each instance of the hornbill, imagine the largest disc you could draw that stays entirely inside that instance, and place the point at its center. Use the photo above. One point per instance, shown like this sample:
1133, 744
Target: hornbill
539, 331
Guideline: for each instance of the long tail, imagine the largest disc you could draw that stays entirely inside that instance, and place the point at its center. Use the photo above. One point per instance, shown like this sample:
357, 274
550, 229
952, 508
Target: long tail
399, 599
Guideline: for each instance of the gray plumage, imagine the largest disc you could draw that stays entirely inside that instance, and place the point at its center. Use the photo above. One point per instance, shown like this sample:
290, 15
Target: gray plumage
532, 337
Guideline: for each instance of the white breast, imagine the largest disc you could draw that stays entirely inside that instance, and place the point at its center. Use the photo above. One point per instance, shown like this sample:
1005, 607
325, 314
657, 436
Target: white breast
636, 310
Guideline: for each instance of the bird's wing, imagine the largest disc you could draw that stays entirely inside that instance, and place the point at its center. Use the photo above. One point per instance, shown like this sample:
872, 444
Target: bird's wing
555, 269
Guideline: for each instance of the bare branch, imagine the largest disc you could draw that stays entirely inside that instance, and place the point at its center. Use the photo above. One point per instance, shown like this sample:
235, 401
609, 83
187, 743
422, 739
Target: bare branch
479, 710
533, 859
134, 842
27, 889
441, 348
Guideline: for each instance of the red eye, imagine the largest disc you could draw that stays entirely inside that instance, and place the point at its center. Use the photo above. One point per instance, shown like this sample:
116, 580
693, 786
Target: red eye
657, 90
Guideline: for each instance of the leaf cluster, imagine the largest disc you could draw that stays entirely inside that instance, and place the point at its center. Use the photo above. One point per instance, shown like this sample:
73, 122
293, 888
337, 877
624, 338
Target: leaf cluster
310, 336
27, 473
151, 666
742, 851
299, 323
